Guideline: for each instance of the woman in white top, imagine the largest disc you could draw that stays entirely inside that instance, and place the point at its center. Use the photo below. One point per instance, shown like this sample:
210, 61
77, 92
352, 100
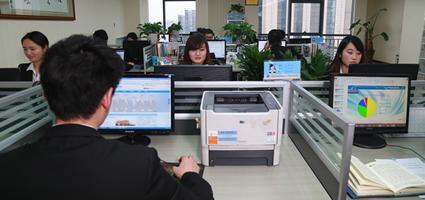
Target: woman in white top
350, 51
35, 45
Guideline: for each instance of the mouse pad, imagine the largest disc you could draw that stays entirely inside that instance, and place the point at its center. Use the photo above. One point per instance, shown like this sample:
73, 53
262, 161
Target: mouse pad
168, 167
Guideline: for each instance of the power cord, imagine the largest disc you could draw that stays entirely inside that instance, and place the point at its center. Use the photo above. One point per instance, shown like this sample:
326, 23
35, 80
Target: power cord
407, 148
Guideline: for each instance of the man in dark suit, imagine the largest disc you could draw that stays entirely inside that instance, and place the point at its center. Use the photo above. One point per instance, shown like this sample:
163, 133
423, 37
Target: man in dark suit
72, 161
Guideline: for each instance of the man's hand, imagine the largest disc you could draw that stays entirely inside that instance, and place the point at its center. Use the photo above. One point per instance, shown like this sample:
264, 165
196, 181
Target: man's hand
187, 164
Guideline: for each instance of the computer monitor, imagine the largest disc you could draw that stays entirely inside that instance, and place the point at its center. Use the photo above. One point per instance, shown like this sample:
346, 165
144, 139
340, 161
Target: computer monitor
409, 69
299, 41
218, 47
377, 104
261, 45
197, 72
282, 69
141, 105
120, 52
133, 51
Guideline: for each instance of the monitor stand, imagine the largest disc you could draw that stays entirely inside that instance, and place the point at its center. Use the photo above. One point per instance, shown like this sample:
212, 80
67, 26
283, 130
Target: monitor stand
369, 141
136, 139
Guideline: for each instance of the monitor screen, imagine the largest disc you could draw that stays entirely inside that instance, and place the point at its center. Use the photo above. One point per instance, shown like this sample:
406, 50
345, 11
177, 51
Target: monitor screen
282, 69
375, 103
133, 51
120, 52
396, 69
197, 72
218, 47
141, 104
261, 45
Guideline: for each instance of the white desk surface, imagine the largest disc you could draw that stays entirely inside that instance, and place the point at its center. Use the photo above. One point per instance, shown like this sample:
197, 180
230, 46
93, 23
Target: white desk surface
291, 179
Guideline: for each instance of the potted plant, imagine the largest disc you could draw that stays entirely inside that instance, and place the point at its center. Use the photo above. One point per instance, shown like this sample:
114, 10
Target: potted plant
236, 12
151, 30
317, 69
369, 27
241, 33
173, 31
251, 62
237, 8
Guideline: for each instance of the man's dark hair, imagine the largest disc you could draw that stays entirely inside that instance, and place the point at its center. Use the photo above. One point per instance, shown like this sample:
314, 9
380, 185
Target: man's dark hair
37, 37
76, 73
100, 36
131, 35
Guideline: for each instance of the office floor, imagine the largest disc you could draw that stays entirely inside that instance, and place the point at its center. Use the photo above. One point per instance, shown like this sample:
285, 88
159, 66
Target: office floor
291, 179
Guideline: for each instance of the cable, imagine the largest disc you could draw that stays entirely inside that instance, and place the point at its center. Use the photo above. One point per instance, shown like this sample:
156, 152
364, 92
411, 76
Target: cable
407, 148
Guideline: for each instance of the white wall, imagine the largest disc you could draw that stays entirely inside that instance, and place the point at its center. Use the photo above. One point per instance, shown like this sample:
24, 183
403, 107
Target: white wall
403, 22
90, 15
132, 11
412, 29
391, 23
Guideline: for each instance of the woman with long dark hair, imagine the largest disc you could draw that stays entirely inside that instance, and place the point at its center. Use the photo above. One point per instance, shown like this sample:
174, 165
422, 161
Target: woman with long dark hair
196, 51
350, 51
35, 45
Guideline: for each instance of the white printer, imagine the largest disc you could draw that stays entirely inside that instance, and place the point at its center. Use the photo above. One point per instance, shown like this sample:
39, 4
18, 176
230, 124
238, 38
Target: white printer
240, 128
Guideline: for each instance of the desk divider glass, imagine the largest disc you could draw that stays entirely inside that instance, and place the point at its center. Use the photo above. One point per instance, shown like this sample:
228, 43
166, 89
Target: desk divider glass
148, 53
323, 137
21, 114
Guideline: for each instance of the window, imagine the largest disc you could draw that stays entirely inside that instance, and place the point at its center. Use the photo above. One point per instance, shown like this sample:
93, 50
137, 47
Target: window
174, 11
180, 11
306, 16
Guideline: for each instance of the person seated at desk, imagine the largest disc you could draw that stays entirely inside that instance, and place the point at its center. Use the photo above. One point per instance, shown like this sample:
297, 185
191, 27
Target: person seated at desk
35, 45
101, 36
350, 51
274, 43
72, 160
196, 51
208, 33
132, 36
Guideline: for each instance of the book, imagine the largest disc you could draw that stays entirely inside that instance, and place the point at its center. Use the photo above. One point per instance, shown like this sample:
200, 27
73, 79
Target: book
382, 178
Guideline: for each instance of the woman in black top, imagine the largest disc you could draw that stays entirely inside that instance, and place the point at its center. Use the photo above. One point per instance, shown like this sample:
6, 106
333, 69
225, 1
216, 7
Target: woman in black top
35, 45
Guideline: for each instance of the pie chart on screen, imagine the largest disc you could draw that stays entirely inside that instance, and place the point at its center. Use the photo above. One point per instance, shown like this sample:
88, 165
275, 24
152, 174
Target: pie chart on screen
366, 107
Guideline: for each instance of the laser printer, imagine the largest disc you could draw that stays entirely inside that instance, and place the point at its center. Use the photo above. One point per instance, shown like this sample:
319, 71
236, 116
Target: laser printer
240, 128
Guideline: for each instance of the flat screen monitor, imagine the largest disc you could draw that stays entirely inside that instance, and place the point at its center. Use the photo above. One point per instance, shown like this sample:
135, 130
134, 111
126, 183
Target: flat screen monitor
282, 69
197, 72
133, 51
218, 47
261, 45
377, 104
120, 52
299, 41
409, 69
142, 104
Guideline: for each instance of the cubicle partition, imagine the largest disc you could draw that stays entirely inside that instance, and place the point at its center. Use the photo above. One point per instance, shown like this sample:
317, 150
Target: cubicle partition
323, 137
10, 87
148, 53
21, 114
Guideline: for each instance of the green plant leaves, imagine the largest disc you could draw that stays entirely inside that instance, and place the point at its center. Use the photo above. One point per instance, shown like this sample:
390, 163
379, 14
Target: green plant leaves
241, 32
252, 63
148, 28
317, 69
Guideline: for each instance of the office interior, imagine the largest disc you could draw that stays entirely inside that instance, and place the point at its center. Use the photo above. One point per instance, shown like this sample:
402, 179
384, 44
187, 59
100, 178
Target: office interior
307, 168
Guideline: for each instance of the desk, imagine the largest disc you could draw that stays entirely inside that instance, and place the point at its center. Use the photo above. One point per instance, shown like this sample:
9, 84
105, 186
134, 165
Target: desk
368, 155
291, 179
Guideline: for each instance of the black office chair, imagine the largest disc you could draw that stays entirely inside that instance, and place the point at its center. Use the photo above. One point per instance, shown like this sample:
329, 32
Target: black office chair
9, 74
